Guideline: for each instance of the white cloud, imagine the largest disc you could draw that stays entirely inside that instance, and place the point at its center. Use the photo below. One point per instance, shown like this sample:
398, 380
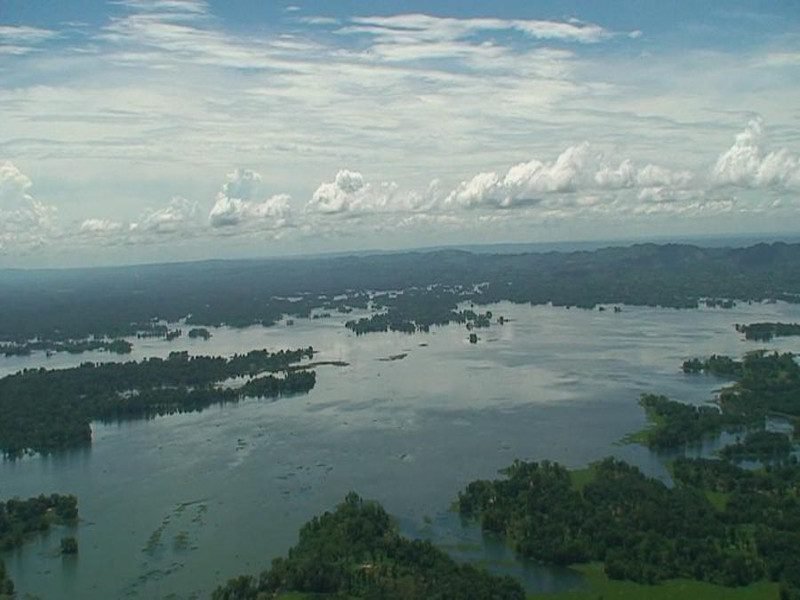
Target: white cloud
349, 193
523, 184
579, 180
101, 227
415, 28
747, 163
24, 221
178, 216
21, 39
236, 205
627, 175
167, 6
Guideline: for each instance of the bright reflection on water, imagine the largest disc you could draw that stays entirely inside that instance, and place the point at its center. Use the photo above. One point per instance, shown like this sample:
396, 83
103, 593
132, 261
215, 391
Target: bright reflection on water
173, 506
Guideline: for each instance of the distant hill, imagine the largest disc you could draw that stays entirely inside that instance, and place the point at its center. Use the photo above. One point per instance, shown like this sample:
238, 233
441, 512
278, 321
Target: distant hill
112, 300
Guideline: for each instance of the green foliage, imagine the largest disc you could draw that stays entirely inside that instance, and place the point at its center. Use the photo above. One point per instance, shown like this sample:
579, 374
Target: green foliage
200, 332
69, 545
763, 502
20, 518
764, 332
6, 585
722, 366
675, 423
760, 445
117, 346
356, 552
45, 410
766, 383
599, 586
641, 530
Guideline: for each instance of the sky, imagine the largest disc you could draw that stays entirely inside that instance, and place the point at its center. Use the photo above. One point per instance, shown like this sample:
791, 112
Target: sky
159, 130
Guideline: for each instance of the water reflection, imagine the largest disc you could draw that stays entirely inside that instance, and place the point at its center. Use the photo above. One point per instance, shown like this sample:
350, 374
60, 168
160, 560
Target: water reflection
550, 384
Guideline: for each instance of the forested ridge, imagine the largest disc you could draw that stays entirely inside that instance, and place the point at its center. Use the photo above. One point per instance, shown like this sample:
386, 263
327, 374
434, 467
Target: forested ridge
115, 302
51, 409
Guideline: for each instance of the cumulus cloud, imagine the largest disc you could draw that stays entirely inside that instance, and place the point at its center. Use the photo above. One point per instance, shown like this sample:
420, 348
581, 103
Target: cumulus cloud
24, 221
178, 219
577, 178
177, 216
627, 175
580, 180
236, 204
523, 184
748, 164
100, 226
350, 193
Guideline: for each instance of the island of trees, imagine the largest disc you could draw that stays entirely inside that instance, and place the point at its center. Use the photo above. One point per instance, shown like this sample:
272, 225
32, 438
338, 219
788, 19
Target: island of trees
720, 523
764, 332
51, 409
409, 313
117, 346
765, 384
357, 552
200, 332
20, 519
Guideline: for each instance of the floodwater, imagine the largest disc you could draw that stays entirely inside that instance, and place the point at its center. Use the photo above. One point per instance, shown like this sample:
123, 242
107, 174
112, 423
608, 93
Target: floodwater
173, 506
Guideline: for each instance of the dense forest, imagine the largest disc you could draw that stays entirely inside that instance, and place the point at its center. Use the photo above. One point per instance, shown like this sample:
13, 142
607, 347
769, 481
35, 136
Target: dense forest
765, 383
645, 531
19, 519
759, 445
357, 552
114, 302
51, 409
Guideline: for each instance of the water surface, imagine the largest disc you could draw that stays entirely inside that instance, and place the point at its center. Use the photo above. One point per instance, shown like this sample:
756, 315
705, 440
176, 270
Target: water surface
173, 506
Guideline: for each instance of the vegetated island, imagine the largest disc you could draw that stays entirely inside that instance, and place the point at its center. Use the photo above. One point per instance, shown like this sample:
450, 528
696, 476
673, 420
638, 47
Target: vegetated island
51, 409
720, 532
765, 384
415, 288
21, 519
357, 552
719, 523
199, 333
764, 332
116, 346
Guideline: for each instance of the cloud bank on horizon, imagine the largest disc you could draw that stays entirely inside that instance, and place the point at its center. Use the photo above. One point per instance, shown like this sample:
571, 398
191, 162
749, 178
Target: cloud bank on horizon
186, 126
